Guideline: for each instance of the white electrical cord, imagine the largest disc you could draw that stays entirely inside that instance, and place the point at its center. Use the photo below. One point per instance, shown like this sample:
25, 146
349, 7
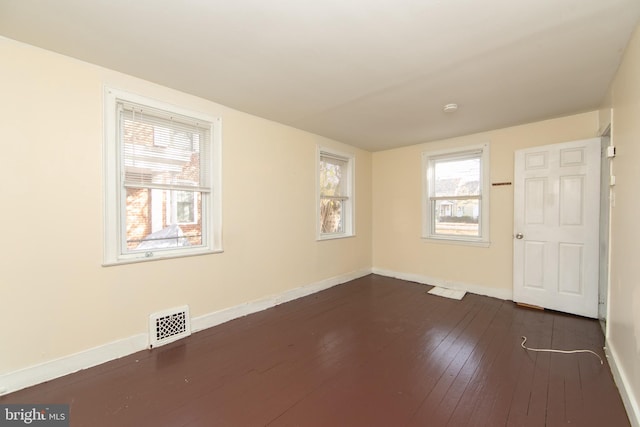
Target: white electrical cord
548, 350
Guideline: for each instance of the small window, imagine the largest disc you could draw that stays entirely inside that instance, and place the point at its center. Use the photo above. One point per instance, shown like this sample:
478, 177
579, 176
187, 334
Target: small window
456, 202
335, 194
162, 179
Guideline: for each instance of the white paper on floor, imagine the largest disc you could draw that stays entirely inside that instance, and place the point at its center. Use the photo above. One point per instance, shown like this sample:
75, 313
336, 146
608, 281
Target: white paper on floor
447, 293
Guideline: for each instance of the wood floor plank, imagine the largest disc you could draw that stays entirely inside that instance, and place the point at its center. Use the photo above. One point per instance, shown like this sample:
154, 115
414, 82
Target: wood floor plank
442, 400
373, 352
402, 355
477, 393
527, 406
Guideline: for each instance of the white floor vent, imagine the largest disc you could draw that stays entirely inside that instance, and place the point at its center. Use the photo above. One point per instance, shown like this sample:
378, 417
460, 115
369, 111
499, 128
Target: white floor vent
169, 326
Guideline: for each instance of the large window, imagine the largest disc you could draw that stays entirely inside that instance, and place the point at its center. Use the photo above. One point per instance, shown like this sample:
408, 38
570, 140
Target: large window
162, 180
456, 196
335, 194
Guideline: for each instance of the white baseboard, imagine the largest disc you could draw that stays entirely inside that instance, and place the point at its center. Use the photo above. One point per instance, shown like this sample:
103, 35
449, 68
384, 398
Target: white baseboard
216, 318
621, 379
504, 294
17, 380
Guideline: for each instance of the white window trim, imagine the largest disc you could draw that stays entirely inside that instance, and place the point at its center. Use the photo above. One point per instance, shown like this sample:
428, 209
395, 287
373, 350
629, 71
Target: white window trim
427, 213
349, 223
113, 212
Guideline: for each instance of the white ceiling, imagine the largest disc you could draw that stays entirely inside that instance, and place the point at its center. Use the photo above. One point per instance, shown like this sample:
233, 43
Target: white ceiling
371, 73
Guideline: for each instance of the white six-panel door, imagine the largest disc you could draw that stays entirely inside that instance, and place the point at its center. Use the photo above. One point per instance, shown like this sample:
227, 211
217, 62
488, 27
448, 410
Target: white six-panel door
556, 226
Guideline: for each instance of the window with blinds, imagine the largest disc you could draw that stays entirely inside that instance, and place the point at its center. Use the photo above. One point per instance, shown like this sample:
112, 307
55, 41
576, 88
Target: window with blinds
163, 165
335, 195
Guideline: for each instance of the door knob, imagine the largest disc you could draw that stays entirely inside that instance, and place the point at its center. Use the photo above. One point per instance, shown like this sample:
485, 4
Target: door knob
519, 236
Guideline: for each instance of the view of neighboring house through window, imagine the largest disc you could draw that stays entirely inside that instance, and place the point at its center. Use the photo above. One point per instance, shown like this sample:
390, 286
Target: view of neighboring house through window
163, 167
187, 207
456, 194
335, 194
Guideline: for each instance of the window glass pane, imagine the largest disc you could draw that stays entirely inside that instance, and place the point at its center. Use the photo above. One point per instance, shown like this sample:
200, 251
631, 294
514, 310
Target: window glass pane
332, 176
331, 220
457, 177
185, 206
153, 217
457, 217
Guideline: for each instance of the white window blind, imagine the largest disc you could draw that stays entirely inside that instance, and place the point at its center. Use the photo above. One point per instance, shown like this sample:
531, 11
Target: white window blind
163, 151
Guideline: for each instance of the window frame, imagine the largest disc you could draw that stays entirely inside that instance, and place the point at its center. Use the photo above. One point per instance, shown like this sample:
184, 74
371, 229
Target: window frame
348, 205
428, 225
115, 192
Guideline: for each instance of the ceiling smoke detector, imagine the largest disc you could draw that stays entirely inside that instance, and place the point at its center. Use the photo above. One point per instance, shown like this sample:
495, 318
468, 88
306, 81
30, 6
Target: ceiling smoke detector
450, 108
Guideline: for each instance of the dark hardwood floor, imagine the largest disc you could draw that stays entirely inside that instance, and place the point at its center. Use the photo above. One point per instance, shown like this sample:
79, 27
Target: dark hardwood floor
372, 352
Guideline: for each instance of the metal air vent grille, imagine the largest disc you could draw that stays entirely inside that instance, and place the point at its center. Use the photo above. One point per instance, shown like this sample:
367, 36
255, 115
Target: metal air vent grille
168, 326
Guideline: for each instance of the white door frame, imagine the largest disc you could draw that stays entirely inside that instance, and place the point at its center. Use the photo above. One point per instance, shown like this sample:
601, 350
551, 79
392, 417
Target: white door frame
605, 228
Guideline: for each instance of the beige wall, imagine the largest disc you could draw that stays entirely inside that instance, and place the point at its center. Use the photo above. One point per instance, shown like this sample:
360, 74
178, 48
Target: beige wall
397, 187
624, 299
56, 298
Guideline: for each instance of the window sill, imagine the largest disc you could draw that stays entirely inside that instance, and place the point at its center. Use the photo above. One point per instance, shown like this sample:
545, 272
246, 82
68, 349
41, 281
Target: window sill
334, 237
453, 241
158, 256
